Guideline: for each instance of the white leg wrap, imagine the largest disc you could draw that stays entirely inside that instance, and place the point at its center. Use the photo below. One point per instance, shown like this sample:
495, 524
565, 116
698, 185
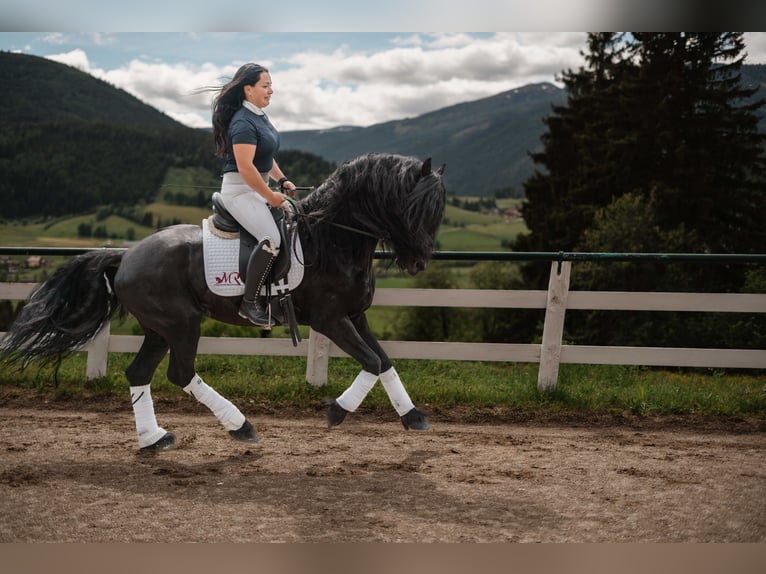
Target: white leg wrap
146, 423
396, 392
224, 410
353, 396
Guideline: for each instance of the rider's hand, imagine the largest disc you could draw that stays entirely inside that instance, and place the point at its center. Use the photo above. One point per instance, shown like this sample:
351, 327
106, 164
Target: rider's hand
277, 200
288, 187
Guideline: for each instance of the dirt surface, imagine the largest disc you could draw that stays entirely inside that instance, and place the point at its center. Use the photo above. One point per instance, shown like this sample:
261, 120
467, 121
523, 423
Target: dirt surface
69, 474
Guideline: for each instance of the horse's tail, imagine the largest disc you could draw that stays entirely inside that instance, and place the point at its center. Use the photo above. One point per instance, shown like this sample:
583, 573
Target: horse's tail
65, 312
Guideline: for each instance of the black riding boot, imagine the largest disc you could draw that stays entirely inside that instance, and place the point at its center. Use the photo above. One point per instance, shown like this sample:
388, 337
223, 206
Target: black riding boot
258, 268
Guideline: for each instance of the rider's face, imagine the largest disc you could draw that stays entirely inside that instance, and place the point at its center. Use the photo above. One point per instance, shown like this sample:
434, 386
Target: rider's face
260, 93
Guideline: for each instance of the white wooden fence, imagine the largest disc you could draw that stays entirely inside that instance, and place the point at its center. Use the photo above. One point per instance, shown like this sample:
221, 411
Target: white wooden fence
549, 354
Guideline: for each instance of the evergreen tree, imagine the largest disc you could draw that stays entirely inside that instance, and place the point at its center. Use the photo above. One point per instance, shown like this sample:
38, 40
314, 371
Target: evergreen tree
660, 114
698, 140
662, 118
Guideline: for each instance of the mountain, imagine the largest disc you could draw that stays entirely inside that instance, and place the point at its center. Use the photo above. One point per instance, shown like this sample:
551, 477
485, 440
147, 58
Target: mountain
34, 89
70, 142
485, 143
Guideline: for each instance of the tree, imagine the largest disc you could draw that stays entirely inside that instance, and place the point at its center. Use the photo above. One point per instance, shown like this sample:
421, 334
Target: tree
85, 230
662, 113
503, 325
663, 121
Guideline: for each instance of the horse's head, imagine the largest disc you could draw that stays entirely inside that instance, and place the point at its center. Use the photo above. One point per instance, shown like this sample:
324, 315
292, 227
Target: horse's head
421, 214
397, 199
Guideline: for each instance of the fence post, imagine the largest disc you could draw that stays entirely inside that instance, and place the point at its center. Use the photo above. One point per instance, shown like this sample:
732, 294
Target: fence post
553, 329
98, 353
318, 359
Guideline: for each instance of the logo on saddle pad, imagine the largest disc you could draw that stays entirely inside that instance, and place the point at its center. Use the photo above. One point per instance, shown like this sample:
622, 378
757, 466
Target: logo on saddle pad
230, 278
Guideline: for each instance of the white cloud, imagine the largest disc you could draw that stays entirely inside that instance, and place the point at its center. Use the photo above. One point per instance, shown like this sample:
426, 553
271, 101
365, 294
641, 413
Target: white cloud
417, 74
321, 89
76, 58
755, 47
341, 86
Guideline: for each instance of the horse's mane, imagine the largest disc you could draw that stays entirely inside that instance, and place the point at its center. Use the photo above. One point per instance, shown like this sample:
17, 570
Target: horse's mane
385, 196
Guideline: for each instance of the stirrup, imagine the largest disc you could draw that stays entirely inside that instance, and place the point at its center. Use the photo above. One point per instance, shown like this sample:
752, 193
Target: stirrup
252, 311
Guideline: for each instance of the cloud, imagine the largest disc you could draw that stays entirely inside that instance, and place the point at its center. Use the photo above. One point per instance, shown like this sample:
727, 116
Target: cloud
327, 87
321, 89
75, 58
417, 74
755, 47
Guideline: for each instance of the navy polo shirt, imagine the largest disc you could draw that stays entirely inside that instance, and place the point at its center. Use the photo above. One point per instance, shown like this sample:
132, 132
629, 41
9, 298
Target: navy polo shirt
247, 127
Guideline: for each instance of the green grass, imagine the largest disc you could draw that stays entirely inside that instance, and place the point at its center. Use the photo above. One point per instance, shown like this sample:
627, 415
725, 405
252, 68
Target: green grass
471, 239
509, 202
183, 213
189, 181
457, 216
438, 386
473, 231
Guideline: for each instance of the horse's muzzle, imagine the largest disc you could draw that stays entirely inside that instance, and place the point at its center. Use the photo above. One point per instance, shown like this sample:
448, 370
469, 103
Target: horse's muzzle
416, 267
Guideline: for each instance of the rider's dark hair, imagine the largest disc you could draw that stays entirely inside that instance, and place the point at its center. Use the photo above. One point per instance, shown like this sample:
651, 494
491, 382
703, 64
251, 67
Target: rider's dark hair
229, 100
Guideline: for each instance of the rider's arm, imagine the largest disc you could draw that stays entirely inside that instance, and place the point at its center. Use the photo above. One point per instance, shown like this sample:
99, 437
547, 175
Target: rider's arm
244, 155
277, 175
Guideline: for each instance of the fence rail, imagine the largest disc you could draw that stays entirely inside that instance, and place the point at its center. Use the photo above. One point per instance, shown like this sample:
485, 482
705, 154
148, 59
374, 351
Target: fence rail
549, 354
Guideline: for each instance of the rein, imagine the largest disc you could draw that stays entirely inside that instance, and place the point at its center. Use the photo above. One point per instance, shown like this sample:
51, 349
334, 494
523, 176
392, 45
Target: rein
345, 227
297, 212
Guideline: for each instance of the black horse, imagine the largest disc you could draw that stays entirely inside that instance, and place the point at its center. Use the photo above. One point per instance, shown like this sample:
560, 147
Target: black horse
394, 199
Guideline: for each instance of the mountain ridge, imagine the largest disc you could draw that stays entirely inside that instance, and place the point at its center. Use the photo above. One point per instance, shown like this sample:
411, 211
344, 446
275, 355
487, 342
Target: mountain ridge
484, 142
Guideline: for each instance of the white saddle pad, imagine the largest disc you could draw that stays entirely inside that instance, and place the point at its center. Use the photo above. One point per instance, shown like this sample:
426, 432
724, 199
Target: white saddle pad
222, 265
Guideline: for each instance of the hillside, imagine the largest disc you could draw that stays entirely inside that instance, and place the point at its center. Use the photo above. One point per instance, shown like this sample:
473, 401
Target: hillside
485, 143
33, 90
70, 142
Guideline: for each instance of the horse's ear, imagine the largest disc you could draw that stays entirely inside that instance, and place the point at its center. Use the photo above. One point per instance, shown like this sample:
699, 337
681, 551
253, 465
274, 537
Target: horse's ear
426, 169
440, 171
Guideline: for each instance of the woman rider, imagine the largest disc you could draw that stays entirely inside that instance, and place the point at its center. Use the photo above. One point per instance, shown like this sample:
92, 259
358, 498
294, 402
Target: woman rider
247, 141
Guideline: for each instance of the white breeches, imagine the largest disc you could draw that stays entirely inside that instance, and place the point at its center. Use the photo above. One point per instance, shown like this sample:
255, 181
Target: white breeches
249, 207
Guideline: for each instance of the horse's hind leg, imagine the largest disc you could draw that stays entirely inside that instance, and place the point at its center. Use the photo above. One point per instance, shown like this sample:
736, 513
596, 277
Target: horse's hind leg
139, 374
182, 373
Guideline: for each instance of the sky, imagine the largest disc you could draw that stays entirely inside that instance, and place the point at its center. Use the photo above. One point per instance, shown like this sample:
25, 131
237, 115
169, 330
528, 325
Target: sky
321, 78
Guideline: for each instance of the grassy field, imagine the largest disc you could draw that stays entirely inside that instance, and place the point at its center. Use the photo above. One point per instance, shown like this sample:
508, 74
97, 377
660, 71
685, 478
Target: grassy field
463, 230
489, 390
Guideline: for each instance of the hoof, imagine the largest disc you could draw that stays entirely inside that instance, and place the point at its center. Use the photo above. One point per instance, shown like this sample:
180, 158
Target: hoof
336, 414
167, 442
245, 433
415, 420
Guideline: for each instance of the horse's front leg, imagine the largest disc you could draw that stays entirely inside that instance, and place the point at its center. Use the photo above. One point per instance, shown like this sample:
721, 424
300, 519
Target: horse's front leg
411, 416
355, 338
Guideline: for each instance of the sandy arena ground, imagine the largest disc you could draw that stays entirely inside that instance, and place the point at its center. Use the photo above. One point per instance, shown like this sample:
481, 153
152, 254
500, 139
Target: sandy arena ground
73, 474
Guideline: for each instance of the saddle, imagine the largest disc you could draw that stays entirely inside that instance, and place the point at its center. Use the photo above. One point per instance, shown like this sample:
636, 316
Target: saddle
225, 222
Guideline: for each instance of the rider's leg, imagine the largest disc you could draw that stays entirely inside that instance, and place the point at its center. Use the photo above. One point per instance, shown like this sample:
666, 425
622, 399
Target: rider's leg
258, 268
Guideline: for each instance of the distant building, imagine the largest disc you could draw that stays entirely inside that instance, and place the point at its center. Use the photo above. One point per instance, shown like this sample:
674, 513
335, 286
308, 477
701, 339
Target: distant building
511, 213
35, 262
